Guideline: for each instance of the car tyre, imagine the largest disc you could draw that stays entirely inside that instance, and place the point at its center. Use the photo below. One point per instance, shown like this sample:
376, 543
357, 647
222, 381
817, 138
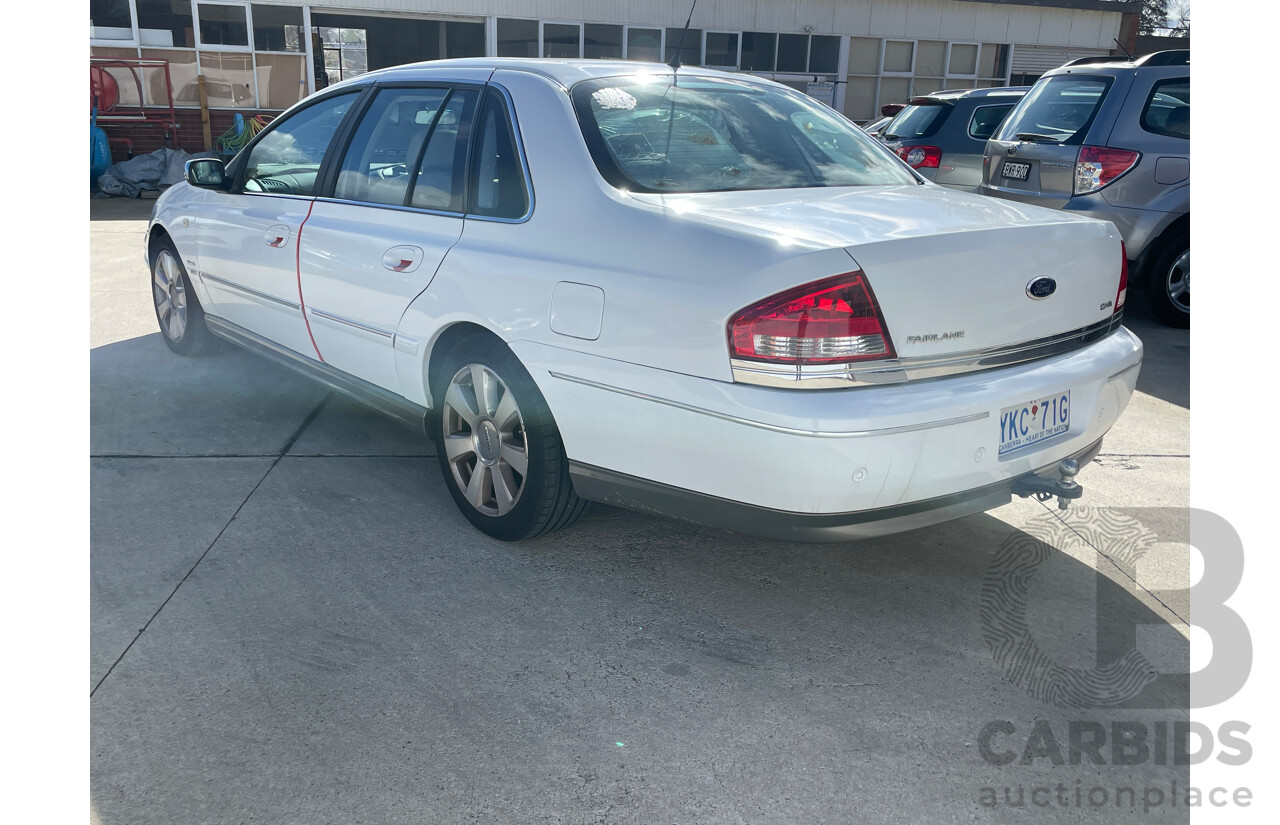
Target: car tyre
498, 446
1169, 283
178, 310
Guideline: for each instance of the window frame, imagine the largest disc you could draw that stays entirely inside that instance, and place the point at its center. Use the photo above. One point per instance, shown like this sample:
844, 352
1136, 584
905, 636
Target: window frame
237, 169
1146, 106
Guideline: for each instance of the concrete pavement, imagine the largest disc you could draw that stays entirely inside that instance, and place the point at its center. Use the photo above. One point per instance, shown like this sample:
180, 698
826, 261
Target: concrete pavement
324, 638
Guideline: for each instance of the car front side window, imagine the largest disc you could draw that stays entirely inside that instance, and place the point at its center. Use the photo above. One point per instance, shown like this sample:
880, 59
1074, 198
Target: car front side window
286, 160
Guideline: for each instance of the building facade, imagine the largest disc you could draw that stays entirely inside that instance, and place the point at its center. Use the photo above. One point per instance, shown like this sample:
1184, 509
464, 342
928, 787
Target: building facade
856, 55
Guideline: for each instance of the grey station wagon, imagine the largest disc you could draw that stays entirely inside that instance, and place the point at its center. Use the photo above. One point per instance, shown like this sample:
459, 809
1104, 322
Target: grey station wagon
1111, 140
942, 135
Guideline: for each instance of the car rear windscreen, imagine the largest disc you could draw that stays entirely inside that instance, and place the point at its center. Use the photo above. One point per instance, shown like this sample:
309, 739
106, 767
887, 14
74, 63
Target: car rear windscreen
1058, 109
916, 121
648, 134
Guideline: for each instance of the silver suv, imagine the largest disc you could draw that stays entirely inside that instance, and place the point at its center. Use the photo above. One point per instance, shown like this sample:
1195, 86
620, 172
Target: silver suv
1110, 139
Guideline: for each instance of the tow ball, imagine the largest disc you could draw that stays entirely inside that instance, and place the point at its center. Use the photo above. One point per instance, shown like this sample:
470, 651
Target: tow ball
1043, 489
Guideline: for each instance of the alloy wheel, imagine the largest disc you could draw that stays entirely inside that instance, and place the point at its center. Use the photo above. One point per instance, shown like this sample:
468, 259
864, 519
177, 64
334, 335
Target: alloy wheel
1178, 282
170, 296
484, 440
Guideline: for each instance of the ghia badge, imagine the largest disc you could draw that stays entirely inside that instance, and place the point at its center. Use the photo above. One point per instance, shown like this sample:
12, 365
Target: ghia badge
1041, 288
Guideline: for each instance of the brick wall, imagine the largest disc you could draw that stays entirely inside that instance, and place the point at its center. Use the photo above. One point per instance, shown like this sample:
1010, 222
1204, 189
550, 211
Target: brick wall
188, 135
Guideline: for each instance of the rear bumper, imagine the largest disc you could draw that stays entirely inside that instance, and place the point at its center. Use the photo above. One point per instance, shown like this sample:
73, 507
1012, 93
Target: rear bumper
620, 490
931, 445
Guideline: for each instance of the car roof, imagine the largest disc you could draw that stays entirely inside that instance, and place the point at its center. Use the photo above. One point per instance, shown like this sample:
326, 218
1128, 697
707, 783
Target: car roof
564, 72
1105, 63
951, 95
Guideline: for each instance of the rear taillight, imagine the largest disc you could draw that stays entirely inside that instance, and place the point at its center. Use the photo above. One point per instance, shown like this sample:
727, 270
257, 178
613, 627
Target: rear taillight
921, 157
835, 320
1097, 166
1124, 279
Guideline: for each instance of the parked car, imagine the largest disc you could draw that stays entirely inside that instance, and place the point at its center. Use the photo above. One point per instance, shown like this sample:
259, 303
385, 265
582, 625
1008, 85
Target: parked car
685, 292
876, 126
942, 135
1111, 140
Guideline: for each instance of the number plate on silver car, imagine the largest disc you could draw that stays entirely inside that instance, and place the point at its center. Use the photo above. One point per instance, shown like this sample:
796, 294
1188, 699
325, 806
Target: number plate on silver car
1017, 171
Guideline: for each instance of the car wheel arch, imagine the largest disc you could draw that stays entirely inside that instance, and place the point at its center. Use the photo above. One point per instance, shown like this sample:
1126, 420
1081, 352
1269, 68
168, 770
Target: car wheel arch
1179, 227
442, 343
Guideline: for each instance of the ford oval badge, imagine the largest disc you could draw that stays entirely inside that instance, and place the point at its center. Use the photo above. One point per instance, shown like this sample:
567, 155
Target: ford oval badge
1041, 288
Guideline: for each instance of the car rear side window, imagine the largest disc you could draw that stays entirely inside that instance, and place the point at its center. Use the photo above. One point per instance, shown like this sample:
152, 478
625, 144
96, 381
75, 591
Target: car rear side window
985, 120
1058, 109
497, 173
917, 121
1168, 109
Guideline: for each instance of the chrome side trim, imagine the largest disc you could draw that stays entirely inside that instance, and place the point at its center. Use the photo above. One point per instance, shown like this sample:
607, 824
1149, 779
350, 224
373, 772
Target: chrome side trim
899, 370
249, 291
908, 428
328, 316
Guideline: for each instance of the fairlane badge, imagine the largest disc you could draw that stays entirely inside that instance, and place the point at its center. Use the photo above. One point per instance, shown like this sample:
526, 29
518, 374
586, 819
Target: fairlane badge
937, 336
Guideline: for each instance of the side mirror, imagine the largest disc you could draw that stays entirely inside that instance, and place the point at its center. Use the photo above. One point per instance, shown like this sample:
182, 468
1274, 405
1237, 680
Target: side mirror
206, 172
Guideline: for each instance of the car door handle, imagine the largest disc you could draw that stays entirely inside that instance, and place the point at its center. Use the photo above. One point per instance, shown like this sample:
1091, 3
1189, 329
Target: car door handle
402, 258
277, 235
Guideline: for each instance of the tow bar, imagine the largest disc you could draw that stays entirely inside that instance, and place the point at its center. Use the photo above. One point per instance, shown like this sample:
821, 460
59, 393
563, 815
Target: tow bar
1065, 487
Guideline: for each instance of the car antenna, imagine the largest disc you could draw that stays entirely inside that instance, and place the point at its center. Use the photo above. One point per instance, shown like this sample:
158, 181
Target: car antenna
674, 62
1123, 49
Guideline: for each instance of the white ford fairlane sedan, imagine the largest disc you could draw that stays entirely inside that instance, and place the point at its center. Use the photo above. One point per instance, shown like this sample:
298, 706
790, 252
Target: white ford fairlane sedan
681, 291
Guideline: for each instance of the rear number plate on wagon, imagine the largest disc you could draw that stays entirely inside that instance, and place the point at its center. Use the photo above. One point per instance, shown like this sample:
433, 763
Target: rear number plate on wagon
1025, 424
1017, 171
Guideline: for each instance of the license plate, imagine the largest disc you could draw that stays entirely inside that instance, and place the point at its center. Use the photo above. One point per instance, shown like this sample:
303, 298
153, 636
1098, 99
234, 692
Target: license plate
1025, 424
1017, 171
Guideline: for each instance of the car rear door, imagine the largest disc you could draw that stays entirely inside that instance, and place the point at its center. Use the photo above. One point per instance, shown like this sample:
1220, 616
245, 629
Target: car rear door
1032, 157
392, 209
247, 238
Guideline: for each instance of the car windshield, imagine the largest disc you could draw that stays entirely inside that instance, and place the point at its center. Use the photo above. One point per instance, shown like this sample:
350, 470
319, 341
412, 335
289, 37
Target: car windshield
917, 121
1058, 109
702, 134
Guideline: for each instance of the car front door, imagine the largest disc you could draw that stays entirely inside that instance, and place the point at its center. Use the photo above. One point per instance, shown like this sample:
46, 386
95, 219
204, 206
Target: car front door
247, 238
396, 206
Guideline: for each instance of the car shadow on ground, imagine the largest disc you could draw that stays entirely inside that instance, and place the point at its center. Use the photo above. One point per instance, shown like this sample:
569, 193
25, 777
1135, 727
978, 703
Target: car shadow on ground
1166, 362
344, 645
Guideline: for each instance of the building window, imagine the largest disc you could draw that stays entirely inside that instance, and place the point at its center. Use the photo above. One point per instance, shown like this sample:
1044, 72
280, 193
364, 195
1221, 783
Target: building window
793, 53
563, 40
722, 49
277, 28
110, 20
517, 38
346, 53
644, 44
166, 24
824, 54
601, 41
759, 51
688, 42
222, 25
